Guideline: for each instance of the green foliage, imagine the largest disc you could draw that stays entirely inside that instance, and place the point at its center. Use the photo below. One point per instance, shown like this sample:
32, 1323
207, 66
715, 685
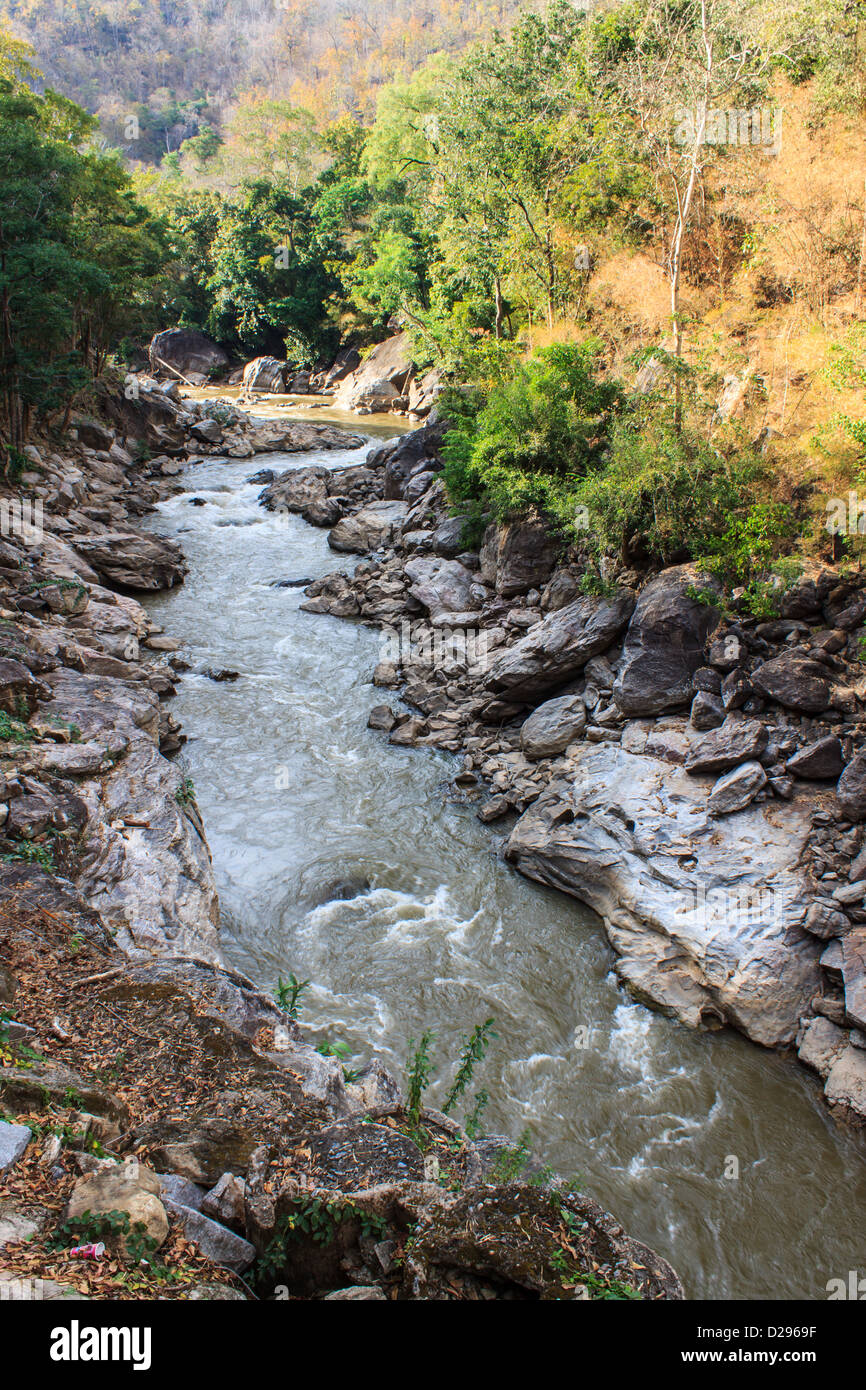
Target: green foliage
523, 444
662, 494
113, 1228
317, 1220
289, 994
185, 793
511, 1161
472, 1054
418, 1077
14, 730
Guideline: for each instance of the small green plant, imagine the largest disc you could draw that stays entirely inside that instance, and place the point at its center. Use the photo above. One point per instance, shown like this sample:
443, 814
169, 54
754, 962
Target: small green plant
289, 994
114, 1228
418, 1077
471, 1054
314, 1219
511, 1161
473, 1121
14, 730
27, 852
185, 794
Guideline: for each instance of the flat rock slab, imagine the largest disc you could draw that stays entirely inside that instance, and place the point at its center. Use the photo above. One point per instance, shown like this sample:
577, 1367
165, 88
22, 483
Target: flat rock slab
705, 914
217, 1242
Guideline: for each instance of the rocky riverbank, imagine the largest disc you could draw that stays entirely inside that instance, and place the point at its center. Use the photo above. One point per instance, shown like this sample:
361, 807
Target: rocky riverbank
150, 1097
696, 775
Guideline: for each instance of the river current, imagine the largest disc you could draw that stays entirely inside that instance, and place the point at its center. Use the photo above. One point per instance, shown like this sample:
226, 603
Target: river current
352, 864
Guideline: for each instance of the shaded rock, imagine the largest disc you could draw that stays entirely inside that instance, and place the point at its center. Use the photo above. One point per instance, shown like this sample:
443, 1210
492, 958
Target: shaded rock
19, 689
225, 1201
795, 681
129, 1187
553, 726
518, 556
820, 761
664, 644
707, 711
188, 351
738, 740
736, 789
201, 1148
853, 967
207, 431
851, 789
556, 649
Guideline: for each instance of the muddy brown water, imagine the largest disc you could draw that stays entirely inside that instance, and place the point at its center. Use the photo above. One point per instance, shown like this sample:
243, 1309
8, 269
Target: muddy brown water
348, 862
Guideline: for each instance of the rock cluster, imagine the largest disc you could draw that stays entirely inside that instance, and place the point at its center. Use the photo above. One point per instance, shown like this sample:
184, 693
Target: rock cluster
696, 775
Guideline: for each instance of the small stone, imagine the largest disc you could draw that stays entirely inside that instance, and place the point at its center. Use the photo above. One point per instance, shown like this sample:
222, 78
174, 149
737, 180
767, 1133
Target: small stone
359, 1293
737, 789
13, 1143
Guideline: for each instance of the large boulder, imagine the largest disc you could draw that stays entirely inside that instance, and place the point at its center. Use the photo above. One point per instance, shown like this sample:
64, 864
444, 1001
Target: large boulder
553, 726
373, 526
738, 740
381, 379
796, 681
664, 644
348, 360
736, 789
556, 649
518, 557
189, 352
706, 915
443, 586
264, 374
134, 561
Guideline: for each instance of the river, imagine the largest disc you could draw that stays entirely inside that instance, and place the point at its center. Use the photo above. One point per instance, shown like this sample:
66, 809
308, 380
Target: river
301, 802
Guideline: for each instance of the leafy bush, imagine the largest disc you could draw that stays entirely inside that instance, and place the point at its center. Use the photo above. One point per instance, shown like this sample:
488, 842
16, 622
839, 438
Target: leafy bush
525, 442
662, 494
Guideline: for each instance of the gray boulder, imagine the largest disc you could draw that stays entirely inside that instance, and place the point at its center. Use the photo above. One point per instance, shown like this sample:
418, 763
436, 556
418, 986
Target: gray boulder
664, 644
795, 681
819, 761
851, 789
265, 374
518, 557
738, 740
443, 586
187, 350
373, 526
553, 726
556, 649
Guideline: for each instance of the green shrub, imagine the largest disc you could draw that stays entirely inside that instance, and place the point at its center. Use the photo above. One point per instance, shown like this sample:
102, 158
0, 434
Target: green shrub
523, 443
663, 495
